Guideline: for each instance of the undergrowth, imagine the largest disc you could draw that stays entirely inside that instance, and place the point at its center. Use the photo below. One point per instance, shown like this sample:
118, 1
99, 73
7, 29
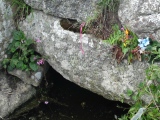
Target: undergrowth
21, 54
100, 24
21, 10
126, 44
150, 86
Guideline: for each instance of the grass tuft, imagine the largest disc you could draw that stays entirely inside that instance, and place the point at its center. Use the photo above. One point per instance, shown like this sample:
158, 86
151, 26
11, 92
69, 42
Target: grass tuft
21, 10
104, 18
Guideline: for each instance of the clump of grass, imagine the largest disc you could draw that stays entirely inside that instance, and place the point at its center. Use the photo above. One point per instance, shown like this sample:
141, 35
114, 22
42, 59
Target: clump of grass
21, 10
101, 24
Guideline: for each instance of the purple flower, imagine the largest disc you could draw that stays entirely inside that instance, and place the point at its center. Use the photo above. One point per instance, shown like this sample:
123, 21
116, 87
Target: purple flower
46, 102
122, 28
40, 62
38, 40
35, 58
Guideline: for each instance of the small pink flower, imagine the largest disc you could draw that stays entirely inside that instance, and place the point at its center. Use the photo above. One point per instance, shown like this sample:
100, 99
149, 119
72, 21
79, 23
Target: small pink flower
122, 29
38, 40
46, 102
40, 62
35, 58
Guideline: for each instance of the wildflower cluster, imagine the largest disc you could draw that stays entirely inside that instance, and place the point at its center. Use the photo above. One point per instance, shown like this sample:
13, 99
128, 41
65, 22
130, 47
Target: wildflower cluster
40, 62
21, 54
127, 44
124, 41
150, 86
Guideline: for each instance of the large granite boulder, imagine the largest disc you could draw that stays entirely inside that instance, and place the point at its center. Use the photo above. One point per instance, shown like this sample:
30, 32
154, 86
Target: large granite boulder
141, 16
13, 92
79, 10
94, 70
6, 27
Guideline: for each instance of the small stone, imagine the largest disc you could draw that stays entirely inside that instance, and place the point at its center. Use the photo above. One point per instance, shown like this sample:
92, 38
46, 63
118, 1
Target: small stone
32, 77
38, 75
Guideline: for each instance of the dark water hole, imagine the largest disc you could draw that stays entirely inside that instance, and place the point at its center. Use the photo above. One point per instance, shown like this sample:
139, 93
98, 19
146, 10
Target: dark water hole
74, 102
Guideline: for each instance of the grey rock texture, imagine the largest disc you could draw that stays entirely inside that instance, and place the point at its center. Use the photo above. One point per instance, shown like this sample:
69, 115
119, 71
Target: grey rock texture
32, 78
94, 70
6, 27
79, 10
13, 92
141, 16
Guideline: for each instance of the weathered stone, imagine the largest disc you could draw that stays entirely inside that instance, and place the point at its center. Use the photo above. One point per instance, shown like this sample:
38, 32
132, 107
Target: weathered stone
79, 10
142, 17
94, 70
32, 78
13, 92
6, 27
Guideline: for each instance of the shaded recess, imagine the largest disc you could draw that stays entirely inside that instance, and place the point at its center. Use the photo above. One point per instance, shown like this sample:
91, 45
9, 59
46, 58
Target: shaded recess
68, 101
101, 24
70, 24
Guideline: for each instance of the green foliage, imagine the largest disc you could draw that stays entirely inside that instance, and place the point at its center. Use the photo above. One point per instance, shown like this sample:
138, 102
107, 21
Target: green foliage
21, 54
111, 5
154, 51
104, 6
103, 18
21, 9
125, 39
151, 86
116, 37
127, 43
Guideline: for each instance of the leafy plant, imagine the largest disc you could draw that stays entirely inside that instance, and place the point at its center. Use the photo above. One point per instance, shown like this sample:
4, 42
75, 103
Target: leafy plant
116, 37
21, 54
150, 87
110, 5
153, 51
127, 43
21, 9
125, 40
104, 17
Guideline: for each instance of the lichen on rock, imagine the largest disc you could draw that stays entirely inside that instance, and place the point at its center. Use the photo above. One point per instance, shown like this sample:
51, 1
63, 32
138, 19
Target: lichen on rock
142, 17
94, 70
6, 27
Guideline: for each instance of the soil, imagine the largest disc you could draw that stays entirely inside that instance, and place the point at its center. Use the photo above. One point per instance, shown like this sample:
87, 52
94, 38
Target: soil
70, 102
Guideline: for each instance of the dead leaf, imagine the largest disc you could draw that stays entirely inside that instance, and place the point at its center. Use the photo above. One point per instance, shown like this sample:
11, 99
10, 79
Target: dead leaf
117, 53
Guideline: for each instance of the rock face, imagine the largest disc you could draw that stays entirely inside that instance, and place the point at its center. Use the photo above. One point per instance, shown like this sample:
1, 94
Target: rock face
94, 70
6, 27
13, 92
142, 17
31, 78
79, 10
